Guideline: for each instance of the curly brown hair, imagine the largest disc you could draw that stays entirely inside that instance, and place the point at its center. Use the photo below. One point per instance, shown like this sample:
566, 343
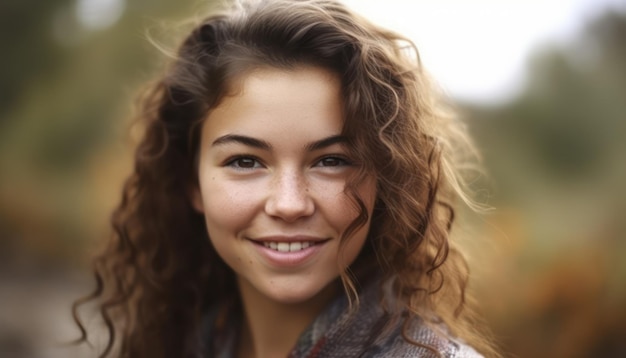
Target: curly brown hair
159, 273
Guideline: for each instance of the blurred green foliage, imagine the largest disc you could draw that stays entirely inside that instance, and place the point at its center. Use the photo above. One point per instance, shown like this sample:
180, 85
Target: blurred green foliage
557, 156
65, 101
29, 50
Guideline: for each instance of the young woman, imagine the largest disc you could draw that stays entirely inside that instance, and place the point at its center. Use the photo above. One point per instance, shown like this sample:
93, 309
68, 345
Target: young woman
293, 195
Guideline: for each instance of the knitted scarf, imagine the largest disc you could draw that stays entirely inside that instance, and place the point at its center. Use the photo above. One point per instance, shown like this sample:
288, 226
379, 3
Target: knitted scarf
338, 333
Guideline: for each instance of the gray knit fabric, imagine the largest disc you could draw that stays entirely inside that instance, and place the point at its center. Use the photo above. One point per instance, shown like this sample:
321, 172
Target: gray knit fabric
368, 333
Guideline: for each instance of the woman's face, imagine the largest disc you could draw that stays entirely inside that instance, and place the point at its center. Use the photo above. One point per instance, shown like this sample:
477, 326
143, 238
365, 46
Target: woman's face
272, 171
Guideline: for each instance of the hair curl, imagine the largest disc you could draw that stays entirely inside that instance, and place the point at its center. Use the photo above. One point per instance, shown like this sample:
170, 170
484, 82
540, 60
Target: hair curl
159, 272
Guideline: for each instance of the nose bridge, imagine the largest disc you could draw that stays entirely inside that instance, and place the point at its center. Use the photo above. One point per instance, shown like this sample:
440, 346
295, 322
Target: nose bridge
289, 196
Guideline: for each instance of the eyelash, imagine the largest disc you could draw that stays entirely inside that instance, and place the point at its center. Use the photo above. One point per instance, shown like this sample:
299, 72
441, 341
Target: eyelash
343, 161
236, 161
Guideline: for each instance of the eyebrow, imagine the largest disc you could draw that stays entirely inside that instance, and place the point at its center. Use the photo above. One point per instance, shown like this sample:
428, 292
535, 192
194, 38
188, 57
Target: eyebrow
236, 138
326, 142
261, 144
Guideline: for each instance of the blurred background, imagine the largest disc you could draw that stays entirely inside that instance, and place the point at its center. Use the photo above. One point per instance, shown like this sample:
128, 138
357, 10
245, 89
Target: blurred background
541, 84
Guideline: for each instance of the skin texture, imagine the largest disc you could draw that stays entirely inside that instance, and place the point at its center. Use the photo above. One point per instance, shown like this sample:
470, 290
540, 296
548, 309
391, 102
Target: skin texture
273, 167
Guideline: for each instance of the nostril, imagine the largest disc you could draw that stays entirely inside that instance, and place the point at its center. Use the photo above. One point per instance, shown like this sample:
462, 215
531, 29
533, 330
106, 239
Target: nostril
290, 207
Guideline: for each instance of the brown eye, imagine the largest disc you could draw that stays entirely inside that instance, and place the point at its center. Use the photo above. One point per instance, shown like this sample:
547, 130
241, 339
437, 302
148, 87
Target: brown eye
333, 161
244, 163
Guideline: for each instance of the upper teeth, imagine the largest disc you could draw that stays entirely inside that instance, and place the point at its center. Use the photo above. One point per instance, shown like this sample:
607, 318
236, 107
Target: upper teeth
287, 246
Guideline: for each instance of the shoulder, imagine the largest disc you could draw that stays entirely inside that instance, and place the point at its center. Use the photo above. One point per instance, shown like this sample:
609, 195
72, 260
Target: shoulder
422, 340
438, 337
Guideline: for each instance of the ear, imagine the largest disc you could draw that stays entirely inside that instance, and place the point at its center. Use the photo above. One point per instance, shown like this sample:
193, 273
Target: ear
195, 198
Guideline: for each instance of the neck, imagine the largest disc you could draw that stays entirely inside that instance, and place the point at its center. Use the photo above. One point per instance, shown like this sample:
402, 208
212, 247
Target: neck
270, 328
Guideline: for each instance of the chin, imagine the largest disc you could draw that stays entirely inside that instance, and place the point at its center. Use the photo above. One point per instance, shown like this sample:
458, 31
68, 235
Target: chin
295, 294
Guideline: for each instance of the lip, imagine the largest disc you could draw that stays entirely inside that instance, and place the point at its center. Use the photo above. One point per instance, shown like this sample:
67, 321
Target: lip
288, 259
284, 238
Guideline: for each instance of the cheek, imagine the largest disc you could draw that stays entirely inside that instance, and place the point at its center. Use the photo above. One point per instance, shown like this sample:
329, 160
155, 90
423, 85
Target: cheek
343, 210
227, 206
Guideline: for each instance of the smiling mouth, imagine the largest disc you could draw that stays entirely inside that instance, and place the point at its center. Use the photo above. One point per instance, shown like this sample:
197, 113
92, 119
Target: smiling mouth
288, 246
288, 252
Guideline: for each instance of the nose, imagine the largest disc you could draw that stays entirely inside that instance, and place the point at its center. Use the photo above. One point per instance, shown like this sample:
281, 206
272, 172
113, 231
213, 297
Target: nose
289, 197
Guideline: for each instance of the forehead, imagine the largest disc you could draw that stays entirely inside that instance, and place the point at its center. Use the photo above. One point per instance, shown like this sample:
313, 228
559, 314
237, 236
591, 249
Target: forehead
277, 103
261, 78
